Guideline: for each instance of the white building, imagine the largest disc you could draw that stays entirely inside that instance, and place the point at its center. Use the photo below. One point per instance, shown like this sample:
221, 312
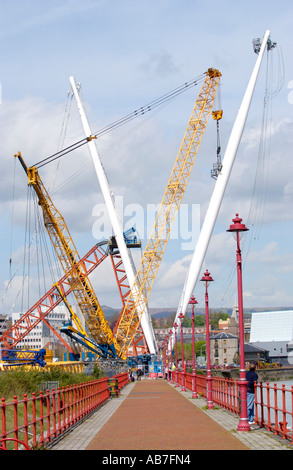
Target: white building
273, 331
41, 334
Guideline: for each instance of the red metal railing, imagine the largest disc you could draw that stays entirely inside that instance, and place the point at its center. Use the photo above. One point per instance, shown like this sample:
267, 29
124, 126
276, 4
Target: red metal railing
273, 409
226, 393
201, 384
273, 403
39, 420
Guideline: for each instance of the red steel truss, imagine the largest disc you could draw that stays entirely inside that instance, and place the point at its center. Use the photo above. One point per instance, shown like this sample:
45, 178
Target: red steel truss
124, 290
50, 300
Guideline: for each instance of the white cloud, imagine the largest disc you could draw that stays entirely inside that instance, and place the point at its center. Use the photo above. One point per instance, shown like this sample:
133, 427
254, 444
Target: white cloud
123, 61
271, 257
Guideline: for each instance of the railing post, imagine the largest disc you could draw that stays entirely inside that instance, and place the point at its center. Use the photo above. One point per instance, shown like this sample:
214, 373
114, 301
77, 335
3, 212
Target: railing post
41, 418
15, 421
48, 416
238, 398
260, 403
234, 397
75, 417
25, 419
59, 409
292, 409
34, 422
63, 402
68, 406
3, 417
269, 406
284, 423
276, 409
54, 412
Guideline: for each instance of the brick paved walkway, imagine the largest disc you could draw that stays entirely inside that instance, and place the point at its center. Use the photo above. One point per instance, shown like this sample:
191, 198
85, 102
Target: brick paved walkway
154, 416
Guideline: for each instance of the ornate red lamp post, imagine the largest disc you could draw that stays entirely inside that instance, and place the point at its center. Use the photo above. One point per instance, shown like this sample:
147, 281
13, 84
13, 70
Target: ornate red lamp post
207, 279
183, 388
165, 356
170, 357
237, 227
176, 355
193, 302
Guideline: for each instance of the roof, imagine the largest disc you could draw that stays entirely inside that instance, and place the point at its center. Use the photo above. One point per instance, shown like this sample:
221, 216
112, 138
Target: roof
252, 348
271, 326
224, 336
275, 348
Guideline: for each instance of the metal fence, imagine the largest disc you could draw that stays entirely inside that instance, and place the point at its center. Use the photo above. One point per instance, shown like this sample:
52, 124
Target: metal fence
273, 402
273, 408
34, 422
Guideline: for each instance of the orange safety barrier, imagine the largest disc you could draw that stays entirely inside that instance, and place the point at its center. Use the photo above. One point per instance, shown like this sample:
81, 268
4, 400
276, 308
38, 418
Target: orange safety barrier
39, 420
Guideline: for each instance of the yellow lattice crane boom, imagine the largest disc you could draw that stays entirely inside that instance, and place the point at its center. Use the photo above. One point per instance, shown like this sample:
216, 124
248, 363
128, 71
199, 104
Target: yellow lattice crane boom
152, 256
69, 259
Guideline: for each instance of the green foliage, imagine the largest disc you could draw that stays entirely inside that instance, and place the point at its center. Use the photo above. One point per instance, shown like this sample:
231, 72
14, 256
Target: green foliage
98, 373
199, 348
17, 382
215, 317
199, 321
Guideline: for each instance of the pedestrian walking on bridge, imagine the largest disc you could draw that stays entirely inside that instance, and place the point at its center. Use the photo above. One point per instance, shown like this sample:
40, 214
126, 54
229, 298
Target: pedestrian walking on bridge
251, 377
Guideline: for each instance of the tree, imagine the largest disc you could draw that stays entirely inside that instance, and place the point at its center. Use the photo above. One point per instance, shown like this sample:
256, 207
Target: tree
200, 348
215, 317
199, 321
170, 320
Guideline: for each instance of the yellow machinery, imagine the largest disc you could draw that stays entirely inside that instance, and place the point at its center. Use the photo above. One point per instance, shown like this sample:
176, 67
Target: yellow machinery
129, 321
69, 258
152, 256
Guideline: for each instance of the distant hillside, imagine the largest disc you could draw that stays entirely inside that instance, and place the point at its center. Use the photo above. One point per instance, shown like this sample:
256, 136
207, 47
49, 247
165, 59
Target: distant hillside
109, 311
165, 312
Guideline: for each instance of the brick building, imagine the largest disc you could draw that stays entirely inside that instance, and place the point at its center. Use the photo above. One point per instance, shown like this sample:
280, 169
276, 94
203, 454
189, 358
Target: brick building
223, 348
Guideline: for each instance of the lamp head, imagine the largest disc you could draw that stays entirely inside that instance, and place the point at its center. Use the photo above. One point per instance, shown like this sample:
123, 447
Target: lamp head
193, 300
237, 226
206, 277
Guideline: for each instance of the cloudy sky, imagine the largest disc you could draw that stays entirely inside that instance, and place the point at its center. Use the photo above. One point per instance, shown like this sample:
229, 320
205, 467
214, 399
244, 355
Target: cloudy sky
126, 53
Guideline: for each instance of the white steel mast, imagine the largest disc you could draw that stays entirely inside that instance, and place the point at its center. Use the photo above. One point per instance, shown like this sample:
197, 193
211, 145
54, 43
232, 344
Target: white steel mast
219, 189
114, 219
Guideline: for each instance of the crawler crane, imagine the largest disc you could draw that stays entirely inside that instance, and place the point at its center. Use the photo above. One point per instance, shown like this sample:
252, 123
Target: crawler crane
50, 300
69, 259
152, 256
131, 317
